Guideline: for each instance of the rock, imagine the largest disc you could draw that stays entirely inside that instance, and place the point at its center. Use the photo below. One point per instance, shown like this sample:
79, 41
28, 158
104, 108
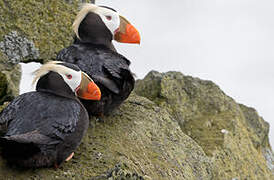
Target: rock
18, 48
31, 31
172, 127
4, 94
258, 129
119, 172
196, 105
233, 135
143, 138
31, 26
9, 79
269, 156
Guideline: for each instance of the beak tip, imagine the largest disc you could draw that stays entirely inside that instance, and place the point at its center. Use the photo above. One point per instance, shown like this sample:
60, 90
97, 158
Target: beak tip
90, 92
98, 95
131, 35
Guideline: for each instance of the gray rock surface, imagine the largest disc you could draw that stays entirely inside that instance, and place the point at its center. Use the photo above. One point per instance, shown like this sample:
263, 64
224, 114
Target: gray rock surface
18, 48
172, 127
232, 134
146, 139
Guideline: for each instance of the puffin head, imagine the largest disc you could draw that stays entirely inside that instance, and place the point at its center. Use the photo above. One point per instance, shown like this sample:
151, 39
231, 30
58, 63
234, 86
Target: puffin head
67, 80
101, 24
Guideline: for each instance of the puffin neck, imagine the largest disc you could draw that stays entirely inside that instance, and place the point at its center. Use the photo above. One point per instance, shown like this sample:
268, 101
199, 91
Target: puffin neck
93, 30
97, 43
53, 83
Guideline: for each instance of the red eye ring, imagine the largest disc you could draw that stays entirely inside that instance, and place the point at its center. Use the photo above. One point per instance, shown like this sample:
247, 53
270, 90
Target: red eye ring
109, 18
69, 76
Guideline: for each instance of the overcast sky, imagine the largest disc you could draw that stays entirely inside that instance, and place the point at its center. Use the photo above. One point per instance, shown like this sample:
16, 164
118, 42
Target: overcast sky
230, 42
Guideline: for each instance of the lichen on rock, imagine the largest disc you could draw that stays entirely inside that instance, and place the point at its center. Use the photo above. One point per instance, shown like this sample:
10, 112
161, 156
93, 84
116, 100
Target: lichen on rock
256, 126
269, 157
31, 30
200, 107
10, 75
141, 137
146, 139
172, 127
119, 172
18, 48
233, 135
45, 23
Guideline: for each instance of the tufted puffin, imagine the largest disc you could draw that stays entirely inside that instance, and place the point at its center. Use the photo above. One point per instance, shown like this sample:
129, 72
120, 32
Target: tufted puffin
42, 128
95, 27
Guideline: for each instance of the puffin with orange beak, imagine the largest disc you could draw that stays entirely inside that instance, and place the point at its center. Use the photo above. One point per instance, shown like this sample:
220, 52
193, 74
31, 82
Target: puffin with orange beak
43, 128
95, 27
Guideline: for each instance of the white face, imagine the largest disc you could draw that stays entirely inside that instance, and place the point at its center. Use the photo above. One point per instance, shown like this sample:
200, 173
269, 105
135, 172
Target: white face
72, 78
110, 18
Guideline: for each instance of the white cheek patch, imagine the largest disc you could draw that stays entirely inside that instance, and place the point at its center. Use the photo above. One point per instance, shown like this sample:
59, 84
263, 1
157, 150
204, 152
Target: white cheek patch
75, 81
112, 24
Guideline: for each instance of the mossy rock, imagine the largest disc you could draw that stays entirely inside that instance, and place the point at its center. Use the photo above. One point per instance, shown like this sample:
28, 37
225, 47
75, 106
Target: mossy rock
233, 135
10, 80
200, 107
10, 76
256, 127
189, 129
46, 23
138, 141
174, 127
3, 85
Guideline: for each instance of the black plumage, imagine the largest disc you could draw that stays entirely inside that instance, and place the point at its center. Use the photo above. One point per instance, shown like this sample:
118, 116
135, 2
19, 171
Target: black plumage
94, 53
40, 126
44, 127
109, 70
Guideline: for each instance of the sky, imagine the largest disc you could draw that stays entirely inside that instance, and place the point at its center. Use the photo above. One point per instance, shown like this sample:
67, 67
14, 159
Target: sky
230, 42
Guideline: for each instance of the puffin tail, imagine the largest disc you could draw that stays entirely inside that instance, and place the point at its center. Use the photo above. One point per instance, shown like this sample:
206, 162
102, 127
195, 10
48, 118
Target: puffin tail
15, 152
25, 155
22, 151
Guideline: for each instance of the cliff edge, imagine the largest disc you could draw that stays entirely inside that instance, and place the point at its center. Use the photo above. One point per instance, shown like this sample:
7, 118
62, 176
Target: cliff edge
172, 126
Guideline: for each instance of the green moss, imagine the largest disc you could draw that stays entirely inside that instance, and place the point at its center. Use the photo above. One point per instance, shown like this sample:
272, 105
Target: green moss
4, 63
176, 134
233, 136
256, 126
5, 93
141, 137
192, 130
47, 23
3, 85
200, 107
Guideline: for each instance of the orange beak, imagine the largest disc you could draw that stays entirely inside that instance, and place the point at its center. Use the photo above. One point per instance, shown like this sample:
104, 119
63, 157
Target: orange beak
88, 90
127, 33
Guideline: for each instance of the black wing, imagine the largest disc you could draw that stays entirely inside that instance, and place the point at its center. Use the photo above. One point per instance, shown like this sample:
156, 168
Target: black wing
9, 113
105, 66
40, 117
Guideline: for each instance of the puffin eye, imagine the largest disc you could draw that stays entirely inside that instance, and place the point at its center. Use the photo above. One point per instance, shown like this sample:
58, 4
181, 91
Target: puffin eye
69, 76
109, 18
